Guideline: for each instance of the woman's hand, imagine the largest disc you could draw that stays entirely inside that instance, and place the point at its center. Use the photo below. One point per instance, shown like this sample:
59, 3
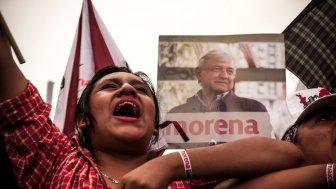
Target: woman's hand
154, 174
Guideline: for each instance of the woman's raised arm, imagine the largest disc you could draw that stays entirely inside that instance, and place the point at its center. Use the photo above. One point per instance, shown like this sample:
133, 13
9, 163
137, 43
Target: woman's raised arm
12, 80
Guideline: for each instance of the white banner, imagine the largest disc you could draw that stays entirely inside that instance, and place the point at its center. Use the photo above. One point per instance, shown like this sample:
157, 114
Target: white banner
218, 126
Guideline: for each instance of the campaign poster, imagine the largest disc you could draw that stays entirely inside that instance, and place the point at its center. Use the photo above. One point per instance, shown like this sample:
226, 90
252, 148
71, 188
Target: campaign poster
220, 88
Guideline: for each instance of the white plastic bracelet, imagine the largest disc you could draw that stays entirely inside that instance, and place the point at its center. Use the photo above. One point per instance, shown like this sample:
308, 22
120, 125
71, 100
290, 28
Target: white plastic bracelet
187, 163
330, 175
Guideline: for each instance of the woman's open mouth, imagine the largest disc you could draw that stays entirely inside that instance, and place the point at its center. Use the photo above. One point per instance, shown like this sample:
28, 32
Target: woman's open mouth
127, 109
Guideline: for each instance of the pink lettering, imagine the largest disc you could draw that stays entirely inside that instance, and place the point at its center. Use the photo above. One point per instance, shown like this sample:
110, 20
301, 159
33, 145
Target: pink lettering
220, 126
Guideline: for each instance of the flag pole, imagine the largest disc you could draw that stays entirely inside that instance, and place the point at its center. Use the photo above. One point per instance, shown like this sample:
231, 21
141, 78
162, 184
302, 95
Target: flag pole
11, 39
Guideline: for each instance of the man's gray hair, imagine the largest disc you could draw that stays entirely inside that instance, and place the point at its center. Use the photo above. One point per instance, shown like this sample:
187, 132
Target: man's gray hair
216, 53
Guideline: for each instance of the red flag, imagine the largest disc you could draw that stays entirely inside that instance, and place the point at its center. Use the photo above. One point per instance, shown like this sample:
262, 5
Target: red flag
93, 48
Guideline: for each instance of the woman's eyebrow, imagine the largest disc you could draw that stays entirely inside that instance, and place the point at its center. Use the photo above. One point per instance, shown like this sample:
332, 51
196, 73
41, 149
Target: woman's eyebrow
135, 82
113, 80
119, 82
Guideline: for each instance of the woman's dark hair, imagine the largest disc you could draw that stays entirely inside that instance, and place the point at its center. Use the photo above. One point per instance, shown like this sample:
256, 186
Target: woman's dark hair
83, 105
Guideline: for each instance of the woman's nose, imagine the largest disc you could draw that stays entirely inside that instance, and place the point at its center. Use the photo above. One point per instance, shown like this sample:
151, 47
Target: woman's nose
127, 90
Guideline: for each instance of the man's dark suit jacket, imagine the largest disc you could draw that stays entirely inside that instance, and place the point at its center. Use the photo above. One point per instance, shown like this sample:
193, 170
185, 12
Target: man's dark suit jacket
229, 103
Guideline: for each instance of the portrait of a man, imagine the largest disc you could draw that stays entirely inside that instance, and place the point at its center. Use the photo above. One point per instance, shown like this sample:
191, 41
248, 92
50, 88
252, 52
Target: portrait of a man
215, 74
220, 89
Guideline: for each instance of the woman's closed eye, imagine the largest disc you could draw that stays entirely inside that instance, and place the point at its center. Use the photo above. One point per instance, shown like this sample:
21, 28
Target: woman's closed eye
142, 90
109, 86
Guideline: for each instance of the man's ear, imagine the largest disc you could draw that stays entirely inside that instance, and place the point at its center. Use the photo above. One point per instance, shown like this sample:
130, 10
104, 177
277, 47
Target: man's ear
198, 74
81, 121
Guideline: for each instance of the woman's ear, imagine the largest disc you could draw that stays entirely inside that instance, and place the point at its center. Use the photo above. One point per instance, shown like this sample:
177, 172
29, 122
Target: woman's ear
81, 121
155, 133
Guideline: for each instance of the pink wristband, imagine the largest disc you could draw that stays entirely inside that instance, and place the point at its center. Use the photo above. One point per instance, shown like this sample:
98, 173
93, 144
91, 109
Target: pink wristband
187, 163
330, 175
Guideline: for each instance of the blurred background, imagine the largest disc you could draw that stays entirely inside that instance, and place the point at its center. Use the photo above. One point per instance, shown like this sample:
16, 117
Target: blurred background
45, 30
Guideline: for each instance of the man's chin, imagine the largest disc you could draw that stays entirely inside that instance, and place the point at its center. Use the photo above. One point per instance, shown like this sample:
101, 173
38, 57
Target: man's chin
221, 91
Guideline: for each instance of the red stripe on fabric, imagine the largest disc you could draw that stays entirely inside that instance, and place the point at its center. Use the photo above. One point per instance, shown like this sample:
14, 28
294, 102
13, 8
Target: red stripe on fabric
101, 54
69, 123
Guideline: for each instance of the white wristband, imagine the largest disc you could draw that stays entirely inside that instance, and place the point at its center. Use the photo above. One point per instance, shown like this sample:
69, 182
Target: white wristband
187, 164
330, 175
